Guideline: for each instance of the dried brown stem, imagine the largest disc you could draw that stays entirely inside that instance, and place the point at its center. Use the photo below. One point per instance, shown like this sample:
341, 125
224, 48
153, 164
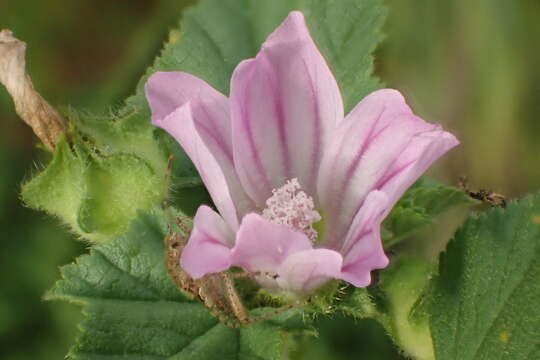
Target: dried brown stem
44, 120
216, 291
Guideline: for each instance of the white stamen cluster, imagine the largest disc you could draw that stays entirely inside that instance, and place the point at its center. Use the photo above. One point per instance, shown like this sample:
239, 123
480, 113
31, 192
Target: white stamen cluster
292, 207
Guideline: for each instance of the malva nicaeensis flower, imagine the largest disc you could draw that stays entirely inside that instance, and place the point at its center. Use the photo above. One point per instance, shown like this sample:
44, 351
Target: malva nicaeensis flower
301, 189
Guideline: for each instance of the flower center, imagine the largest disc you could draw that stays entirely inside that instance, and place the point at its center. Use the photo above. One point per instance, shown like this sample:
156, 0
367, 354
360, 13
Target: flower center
292, 207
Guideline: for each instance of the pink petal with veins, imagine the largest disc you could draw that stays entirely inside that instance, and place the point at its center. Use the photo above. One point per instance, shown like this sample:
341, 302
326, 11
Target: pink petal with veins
362, 248
263, 246
209, 246
284, 105
168, 91
375, 147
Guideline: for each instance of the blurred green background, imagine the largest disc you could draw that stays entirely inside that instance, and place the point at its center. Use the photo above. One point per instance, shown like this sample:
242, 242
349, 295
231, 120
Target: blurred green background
471, 65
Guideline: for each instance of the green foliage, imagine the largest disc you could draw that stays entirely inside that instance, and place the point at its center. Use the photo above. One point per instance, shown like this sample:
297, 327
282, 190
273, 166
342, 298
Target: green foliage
211, 45
133, 308
483, 303
485, 299
347, 32
419, 207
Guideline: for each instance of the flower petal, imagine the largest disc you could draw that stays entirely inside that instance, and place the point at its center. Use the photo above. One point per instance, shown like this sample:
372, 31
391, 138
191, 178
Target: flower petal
367, 153
424, 149
263, 246
284, 104
209, 247
363, 248
167, 91
180, 125
306, 270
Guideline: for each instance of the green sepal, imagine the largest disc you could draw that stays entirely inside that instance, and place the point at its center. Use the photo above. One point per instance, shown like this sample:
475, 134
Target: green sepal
117, 186
96, 194
112, 167
59, 188
358, 303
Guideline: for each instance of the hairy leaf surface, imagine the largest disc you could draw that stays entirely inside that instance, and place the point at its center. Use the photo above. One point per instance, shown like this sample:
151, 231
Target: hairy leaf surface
419, 207
210, 43
133, 309
486, 296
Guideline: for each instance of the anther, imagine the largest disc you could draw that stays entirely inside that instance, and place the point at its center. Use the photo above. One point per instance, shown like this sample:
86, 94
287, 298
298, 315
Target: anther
292, 207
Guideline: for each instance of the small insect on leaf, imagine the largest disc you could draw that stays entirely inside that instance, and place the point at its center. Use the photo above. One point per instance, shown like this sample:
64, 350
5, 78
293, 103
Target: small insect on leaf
483, 195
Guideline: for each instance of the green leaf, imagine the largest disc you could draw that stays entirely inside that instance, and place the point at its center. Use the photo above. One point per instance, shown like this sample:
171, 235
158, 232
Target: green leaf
485, 299
347, 32
59, 188
211, 43
419, 207
133, 310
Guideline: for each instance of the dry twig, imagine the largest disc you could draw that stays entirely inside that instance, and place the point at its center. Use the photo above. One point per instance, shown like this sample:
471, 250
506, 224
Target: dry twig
47, 124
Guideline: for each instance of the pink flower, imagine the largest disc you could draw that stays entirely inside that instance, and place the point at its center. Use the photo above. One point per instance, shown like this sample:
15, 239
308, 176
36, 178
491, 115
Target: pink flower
279, 154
